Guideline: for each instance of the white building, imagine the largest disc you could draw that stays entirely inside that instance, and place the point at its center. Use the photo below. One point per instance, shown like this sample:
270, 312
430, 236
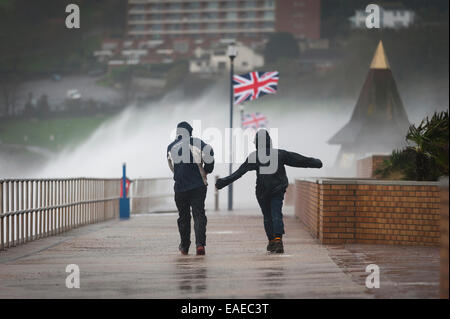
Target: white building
390, 18
216, 60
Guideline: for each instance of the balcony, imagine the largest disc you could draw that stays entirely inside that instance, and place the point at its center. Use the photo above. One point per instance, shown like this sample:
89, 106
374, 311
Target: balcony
201, 20
201, 31
147, 10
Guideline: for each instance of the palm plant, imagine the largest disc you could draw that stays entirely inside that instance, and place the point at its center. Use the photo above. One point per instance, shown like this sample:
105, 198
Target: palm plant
426, 158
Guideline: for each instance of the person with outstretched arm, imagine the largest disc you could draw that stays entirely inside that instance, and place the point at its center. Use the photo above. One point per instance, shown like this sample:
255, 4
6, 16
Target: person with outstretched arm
271, 183
190, 160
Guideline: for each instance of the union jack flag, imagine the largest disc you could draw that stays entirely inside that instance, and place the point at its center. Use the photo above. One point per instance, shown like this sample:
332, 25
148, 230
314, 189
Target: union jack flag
252, 85
254, 120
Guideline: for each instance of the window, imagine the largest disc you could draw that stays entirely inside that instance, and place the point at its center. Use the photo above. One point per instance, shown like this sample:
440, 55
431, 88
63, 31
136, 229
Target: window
181, 47
250, 4
173, 16
192, 5
156, 17
230, 5
232, 15
174, 27
194, 16
137, 17
212, 15
212, 26
269, 3
139, 27
249, 25
213, 5
138, 7
269, 15
230, 26
174, 6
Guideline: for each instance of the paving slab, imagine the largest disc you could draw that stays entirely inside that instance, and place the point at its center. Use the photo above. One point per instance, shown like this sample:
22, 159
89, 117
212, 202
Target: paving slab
138, 258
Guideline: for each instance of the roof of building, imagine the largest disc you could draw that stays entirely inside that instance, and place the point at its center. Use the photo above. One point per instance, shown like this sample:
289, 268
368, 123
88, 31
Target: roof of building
379, 114
380, 60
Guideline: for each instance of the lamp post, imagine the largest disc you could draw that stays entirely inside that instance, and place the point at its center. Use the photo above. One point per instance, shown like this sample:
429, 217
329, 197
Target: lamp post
232, 53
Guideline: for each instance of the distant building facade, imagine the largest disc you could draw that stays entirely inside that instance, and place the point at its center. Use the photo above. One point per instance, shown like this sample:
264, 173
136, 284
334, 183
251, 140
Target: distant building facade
392, 17
163, 31
199, 19
299, 17
215, 60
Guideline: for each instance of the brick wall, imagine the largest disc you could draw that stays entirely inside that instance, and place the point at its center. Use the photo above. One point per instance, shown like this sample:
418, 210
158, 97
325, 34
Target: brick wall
444, 240
366, 167
289, 195
307, 205
369, 211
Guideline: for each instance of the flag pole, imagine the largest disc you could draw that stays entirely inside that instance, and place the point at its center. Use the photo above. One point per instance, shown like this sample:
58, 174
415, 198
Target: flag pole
231, 54
241, 108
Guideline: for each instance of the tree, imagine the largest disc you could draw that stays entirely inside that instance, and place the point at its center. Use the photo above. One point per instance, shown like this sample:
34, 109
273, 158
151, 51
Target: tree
427, 158
281, 45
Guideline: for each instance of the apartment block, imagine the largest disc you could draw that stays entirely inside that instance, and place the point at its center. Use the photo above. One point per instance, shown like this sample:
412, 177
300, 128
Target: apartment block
239, 19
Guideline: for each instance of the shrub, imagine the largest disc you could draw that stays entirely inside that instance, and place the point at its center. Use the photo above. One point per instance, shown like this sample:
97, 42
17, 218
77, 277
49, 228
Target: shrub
427, 158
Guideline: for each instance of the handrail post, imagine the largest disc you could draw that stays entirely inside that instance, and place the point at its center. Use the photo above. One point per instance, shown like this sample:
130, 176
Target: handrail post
7, 241
124, 202
2, 232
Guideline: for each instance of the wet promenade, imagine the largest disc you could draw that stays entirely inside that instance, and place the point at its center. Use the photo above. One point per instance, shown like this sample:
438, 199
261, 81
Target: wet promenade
138, 258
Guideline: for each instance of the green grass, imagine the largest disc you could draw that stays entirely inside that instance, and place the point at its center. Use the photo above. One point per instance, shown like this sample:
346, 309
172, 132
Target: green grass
66, 132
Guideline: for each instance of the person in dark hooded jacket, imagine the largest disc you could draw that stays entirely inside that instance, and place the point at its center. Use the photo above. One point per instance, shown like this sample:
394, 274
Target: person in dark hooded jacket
190, 160
271, 183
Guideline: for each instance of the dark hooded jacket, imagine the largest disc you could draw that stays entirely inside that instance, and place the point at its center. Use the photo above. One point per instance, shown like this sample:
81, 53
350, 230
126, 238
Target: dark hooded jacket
190, 159
269, 163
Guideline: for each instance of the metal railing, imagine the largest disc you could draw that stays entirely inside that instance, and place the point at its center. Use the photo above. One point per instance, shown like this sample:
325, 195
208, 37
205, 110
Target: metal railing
31, 209
36, 208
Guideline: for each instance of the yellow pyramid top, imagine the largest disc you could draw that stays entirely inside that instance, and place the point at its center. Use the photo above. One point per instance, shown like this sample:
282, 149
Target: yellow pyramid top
380, 60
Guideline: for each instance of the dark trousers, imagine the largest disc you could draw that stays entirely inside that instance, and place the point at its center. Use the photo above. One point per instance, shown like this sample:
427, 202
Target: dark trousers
194, 198
271, 207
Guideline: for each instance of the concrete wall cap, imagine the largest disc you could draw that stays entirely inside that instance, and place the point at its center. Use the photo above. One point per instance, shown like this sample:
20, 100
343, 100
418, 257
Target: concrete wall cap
366, 181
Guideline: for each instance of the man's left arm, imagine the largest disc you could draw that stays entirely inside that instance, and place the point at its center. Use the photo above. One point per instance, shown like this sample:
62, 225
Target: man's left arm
296, 160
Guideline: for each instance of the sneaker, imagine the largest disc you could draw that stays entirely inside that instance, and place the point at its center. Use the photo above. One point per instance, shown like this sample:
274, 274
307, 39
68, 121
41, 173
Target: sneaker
182, 250
278, 246
200, 250
271, 246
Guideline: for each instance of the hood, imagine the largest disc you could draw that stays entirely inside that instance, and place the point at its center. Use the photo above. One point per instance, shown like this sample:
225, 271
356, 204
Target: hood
262, 139
184, 128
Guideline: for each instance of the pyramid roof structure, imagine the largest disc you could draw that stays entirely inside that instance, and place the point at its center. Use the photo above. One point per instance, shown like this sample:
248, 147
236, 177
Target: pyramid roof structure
379, 115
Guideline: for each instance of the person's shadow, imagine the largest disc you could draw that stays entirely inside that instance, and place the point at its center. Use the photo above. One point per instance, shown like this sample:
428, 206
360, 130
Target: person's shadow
274, 278
191, 274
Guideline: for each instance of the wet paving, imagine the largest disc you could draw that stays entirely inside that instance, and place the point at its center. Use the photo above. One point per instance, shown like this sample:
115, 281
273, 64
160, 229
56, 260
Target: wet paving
405, 271
138, 258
